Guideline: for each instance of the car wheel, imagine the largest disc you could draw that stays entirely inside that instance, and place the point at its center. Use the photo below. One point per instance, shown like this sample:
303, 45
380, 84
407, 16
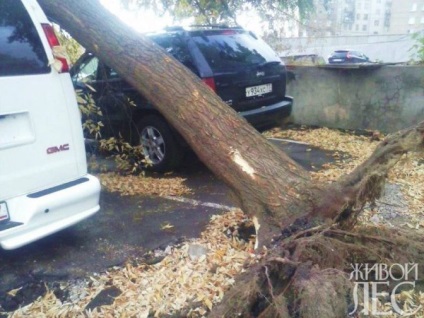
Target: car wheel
158, 144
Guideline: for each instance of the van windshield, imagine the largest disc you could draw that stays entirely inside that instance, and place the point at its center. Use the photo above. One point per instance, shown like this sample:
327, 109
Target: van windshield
234, 50
21, 50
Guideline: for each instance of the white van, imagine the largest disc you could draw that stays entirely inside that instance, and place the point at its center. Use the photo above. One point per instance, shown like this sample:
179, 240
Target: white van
44, 185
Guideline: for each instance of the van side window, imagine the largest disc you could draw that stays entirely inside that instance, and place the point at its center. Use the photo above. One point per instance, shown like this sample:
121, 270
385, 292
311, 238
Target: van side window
21, 50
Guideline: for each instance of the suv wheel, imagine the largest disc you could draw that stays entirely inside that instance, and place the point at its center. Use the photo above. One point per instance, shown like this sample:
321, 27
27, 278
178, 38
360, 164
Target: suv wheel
158, 144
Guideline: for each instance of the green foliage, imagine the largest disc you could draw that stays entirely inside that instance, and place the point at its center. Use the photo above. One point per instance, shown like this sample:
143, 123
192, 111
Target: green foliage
72, 47
128, 158
226, 12
418, 47
91, 115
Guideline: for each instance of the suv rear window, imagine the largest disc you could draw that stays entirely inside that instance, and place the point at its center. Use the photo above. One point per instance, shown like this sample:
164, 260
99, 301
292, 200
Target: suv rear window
174, 45
21, 50
232, 49
339, 53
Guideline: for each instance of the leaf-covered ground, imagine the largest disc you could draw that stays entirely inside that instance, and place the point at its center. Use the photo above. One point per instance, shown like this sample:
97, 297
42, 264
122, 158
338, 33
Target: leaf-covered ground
188, 286
408, 174
133, 185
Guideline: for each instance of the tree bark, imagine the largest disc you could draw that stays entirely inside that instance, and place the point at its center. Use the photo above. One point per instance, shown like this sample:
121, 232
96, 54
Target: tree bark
268, 183
313, 247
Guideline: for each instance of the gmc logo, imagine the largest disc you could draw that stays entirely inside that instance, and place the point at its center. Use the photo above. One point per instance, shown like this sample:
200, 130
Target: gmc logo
56, 149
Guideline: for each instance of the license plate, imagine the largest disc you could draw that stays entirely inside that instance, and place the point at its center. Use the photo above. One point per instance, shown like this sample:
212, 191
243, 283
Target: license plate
337, 60
258, 90
4, 212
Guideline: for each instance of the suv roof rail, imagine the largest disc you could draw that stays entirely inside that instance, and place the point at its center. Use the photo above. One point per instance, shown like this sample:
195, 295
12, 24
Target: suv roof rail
174, 28
215, 26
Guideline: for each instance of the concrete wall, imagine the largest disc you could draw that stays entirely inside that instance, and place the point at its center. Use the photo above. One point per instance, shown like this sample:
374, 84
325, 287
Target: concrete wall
387, 98
384, 48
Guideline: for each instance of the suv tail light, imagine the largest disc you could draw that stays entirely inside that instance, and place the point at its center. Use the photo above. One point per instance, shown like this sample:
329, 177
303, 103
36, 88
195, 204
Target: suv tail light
59, 53
210, 82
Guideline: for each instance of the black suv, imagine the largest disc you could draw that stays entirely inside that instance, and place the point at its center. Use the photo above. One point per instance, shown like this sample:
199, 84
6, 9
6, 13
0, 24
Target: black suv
241, 68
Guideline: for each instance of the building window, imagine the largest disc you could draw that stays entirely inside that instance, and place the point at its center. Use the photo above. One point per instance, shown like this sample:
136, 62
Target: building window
365, 16
364, 27
414, 7
411, 20
357, 27
358, 16
376, 23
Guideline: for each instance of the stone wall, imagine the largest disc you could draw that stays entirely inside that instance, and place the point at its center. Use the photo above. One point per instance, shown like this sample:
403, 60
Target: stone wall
386, 98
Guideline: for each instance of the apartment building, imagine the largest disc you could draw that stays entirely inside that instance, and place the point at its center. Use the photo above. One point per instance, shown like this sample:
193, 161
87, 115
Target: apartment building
371, 17
407, 16
364, 17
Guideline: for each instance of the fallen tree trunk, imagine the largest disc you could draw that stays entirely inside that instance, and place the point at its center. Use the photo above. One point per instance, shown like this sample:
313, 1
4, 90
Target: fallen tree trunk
366, 182
311, 266
306, 222
267, 182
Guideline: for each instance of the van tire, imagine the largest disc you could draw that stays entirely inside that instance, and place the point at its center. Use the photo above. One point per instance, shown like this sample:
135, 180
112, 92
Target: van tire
158, 142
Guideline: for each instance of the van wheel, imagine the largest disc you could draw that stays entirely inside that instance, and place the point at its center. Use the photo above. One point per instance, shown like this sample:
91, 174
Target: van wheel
158, 144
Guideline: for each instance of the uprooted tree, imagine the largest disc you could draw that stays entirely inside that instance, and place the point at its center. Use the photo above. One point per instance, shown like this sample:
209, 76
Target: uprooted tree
310, 229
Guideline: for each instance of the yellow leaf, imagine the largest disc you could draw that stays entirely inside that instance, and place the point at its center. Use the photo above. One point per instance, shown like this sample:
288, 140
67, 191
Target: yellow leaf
208, 303
166, 226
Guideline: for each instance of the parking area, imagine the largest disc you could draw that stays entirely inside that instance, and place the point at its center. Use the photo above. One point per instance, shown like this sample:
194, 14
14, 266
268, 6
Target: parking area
128, 227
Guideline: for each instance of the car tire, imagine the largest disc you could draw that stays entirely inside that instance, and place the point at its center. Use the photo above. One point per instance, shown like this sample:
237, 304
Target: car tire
159, 144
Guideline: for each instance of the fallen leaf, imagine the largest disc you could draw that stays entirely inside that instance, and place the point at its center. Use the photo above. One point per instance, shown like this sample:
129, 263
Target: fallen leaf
167, 226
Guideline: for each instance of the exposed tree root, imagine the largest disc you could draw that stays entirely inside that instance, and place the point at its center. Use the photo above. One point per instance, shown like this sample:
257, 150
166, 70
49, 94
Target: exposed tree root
345, 199
306, 272
309, 276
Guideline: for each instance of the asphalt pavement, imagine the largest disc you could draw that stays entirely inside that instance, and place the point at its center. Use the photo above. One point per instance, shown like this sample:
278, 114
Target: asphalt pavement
126, 228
